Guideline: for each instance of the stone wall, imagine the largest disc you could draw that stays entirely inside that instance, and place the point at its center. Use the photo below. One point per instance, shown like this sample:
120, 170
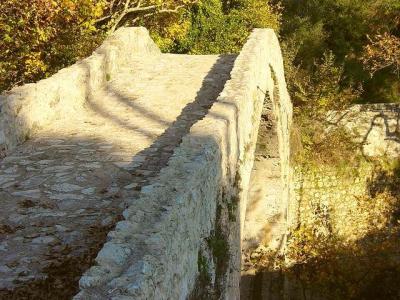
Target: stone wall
181, 238
333, 195
25, 109
329, 196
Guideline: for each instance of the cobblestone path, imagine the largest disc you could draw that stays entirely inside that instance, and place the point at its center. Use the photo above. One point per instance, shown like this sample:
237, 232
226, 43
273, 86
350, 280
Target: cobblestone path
65, 188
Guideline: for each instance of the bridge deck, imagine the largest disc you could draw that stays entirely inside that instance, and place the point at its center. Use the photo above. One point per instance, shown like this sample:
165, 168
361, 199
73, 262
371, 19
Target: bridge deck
64, 189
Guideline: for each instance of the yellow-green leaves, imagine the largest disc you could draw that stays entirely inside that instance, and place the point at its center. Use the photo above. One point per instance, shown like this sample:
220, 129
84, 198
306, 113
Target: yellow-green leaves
39, 37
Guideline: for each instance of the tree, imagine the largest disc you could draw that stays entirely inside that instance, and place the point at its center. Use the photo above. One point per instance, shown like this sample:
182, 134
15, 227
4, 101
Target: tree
342, 27
132, 12
39, 37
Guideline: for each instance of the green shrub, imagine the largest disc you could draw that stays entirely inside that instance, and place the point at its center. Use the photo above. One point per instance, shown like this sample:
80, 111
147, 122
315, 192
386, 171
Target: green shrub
212, 27
344, 28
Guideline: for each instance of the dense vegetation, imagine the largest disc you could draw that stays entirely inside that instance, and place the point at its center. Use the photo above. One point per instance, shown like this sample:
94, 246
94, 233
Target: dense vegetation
362, 35
338, 52
39, 37
355, 43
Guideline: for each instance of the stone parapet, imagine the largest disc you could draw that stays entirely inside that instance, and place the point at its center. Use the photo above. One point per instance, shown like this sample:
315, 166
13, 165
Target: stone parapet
26, 109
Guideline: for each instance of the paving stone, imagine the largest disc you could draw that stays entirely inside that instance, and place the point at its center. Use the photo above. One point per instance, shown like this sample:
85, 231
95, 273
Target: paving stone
11, 170
6, 178
66, 187
89, 191
43, 240
35, 194
66, 197
8, 184
56, 169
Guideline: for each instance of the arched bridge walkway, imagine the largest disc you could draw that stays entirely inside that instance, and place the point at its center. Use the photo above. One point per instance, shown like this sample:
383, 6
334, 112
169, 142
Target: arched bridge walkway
82, 150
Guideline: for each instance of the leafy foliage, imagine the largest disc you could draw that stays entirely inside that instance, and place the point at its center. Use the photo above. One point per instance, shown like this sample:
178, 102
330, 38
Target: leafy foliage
212, 26
342, 27
322, 90
315, 95
39, 37
383, 51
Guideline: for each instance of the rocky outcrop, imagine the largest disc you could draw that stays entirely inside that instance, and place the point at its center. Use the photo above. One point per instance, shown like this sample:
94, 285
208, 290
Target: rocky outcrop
375, 128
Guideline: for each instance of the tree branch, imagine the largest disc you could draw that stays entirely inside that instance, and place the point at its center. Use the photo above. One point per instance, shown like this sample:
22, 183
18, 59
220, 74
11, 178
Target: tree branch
116, 16
102, 19
125, 12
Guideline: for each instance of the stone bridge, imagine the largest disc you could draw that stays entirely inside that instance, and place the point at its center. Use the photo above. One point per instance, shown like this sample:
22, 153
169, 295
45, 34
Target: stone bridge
129, 175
